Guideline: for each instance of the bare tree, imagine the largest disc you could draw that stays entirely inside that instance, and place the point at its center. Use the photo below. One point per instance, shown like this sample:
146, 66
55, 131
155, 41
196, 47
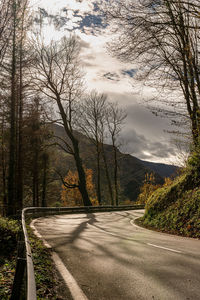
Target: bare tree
3, 158
12, 69
59, 78
105, 160
162, 37
23, 63
115, 117
5, 28
15, 99
100, 121
92, 115
45, 159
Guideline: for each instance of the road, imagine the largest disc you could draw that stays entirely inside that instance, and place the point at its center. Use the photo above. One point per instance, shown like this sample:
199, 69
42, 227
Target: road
111, 258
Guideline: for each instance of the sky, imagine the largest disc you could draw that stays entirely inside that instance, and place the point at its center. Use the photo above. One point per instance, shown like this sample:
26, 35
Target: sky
144, 135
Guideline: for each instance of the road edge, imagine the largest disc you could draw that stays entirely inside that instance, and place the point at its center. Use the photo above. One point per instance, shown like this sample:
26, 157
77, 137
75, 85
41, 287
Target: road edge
139, 225
69, 280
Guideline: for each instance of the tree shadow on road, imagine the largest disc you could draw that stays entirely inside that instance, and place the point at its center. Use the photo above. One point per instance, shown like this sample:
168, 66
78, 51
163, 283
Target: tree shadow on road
124, 251
74, 235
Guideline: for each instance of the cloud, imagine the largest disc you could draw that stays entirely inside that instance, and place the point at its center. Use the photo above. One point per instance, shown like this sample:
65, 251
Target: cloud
111, 76
140, 146
143, 133
83, 44
84, 16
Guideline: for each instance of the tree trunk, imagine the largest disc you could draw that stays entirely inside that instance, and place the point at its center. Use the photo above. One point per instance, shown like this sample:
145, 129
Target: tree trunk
19, 188
35, 179
76, 154
81, 174
107, 176
98, 177
116, 176
44, 183
12, 145
33, 192
3, 163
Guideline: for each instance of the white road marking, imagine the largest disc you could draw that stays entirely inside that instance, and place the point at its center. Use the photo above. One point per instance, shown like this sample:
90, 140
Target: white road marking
133, 224
169, 249
39, 235
156, 246
72, 284
75, 290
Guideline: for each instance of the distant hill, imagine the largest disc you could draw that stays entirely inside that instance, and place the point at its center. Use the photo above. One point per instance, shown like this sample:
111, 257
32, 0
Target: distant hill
164, 170
131, 169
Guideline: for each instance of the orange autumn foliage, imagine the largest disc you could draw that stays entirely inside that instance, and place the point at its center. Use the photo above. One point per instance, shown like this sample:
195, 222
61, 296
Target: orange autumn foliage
168, 181
72, 196
147, 188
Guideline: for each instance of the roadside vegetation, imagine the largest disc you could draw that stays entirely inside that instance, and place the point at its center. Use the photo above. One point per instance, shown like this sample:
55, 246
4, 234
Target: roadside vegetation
9, 230
48, 282
175, 207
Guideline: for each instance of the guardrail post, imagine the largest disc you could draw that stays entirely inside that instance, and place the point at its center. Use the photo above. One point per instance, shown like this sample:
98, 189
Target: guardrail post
19, 272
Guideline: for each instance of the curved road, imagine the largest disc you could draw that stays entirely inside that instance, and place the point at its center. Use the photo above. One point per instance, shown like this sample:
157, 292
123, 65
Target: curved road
111, 258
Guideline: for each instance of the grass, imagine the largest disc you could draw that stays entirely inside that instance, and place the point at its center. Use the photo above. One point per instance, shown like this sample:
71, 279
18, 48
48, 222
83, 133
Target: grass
7, 272
176, 208
48, 282
9, 230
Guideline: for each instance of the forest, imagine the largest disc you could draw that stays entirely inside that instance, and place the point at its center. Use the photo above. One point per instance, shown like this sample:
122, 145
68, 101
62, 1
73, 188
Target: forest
37, 80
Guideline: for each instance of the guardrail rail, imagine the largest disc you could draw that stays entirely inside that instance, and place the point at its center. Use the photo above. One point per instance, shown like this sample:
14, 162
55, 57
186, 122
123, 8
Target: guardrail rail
24, 286
24, 289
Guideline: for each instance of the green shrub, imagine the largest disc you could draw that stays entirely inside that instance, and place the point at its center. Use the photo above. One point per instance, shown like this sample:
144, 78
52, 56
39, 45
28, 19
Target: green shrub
9, 230
176, 208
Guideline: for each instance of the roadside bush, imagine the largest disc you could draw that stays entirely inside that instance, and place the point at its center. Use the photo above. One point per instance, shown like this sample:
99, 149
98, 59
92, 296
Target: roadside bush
9, 230
175, 207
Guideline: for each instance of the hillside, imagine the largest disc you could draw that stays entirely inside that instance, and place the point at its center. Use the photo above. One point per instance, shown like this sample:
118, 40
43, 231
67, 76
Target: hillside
176, 208
132, 170
163, 170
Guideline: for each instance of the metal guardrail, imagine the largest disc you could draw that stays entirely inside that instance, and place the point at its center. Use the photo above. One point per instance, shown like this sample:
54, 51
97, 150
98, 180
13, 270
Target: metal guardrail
80, 209
31, 286
24, 256
24, 268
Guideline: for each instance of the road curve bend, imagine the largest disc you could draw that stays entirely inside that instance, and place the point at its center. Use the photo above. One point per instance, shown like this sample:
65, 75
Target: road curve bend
110, 258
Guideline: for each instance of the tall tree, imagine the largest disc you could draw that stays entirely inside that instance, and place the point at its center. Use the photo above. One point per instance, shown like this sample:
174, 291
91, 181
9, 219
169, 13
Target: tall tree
45, 160
115, 117
5, 37
5, 27
3, 158
12, 150
162, 38
37, 137
13, 65
23, 64
105, 159
17, 94
92, 116
59, 78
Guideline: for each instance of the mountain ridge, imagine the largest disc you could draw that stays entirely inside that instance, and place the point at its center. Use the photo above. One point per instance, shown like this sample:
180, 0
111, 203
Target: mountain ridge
132, 170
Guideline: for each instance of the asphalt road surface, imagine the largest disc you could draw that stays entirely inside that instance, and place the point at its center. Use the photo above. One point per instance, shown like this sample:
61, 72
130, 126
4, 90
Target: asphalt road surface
111, 258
